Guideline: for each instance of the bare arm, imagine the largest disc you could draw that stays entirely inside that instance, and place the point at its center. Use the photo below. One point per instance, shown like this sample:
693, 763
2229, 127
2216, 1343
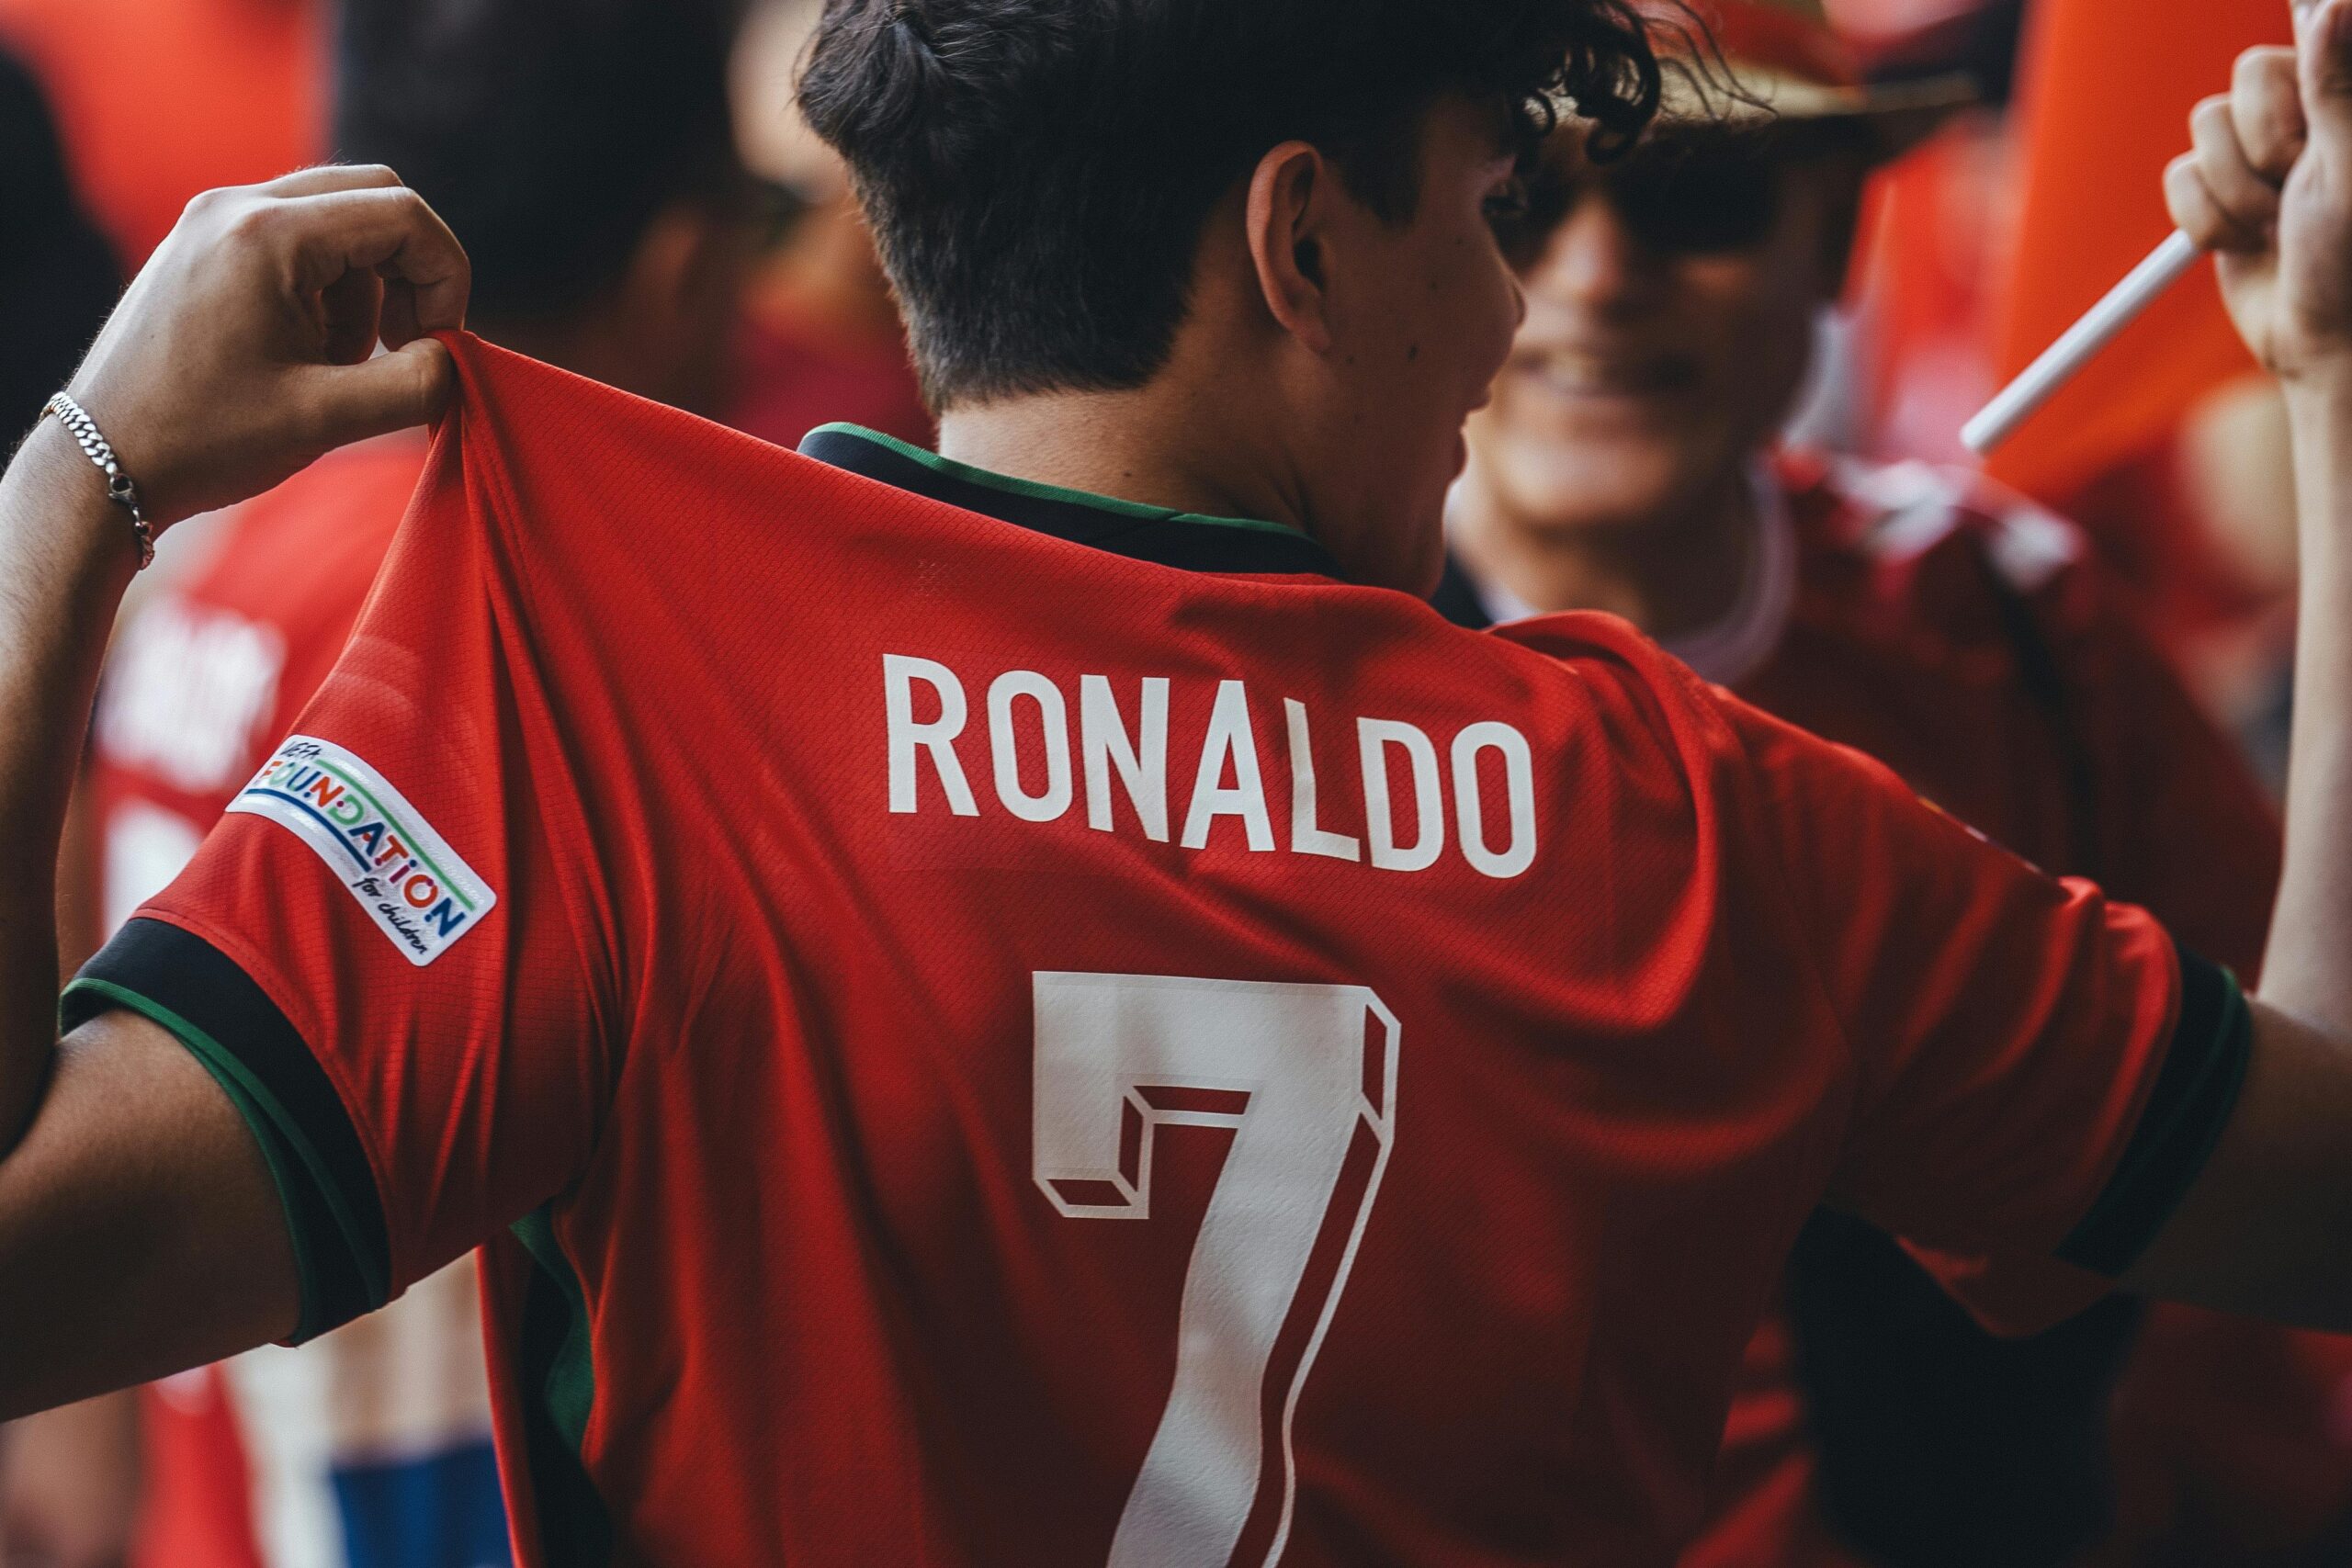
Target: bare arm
140, 1230
65, 556
2269, 1227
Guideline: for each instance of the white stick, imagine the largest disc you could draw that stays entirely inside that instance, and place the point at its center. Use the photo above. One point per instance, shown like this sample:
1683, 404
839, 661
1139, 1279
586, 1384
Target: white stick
2166, 266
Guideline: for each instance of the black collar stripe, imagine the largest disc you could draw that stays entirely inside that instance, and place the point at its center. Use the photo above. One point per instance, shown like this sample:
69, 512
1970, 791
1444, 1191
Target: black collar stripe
1172, 539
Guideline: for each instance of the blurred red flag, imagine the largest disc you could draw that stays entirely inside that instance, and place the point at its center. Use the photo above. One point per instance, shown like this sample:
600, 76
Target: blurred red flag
2105, 90
157, 100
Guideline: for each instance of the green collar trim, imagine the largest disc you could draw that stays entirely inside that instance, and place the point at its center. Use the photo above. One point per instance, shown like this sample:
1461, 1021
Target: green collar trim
1009, 485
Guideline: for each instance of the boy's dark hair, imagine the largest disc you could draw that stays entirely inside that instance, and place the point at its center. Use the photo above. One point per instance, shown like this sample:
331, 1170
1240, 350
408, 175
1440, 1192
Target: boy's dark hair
1038, 172
547, 133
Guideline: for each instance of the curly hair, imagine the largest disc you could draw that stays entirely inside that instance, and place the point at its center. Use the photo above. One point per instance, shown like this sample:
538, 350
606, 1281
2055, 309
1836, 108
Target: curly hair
1038, 172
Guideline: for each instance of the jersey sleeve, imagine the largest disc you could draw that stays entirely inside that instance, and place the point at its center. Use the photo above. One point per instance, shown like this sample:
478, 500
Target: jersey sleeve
393, 951
2039, 1072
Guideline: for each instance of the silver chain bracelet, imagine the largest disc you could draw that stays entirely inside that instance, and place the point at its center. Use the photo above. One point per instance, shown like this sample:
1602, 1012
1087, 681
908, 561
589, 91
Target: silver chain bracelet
119, 490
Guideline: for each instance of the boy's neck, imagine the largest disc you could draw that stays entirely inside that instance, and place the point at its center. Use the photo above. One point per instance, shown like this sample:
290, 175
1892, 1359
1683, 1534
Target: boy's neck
1148, 445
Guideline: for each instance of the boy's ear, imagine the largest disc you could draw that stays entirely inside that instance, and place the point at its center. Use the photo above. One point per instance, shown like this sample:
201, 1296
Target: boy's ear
1287, 218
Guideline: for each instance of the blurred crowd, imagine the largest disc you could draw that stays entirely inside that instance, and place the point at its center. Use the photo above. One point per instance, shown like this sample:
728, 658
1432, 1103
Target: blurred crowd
2078, 645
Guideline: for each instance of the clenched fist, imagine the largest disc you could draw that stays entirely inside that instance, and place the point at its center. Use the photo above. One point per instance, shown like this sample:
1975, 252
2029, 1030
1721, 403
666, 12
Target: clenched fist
245, 347
2268, 189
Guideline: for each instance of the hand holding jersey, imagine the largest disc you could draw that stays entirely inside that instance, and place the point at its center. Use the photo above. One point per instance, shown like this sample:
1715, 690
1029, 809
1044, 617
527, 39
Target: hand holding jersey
1747, 965
215, 389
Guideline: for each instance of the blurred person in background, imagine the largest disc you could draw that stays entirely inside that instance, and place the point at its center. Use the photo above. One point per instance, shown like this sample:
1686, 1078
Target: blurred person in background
821, 339
1627, 462
63, 1474
583, 149
58, 275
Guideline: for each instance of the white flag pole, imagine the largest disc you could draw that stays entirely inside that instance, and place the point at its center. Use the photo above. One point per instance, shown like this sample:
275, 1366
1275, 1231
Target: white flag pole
2063, 360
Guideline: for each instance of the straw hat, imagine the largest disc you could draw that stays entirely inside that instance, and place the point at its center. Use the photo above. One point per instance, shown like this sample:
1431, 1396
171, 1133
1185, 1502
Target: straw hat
1785, 61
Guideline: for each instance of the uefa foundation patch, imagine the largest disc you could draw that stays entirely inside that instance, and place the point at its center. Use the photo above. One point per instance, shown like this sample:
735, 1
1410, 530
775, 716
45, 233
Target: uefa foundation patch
404, 875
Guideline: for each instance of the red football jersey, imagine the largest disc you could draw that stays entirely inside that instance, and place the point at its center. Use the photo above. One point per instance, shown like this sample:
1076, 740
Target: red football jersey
1014, 1027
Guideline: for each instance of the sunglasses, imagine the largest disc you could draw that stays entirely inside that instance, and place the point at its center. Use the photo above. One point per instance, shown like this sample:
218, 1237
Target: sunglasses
1683, 196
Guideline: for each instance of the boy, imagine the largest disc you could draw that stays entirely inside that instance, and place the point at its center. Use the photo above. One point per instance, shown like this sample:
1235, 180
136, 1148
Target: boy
865, 1145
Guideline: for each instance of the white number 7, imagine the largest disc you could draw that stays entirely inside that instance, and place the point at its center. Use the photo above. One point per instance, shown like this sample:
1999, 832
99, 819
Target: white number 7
1306, 1076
